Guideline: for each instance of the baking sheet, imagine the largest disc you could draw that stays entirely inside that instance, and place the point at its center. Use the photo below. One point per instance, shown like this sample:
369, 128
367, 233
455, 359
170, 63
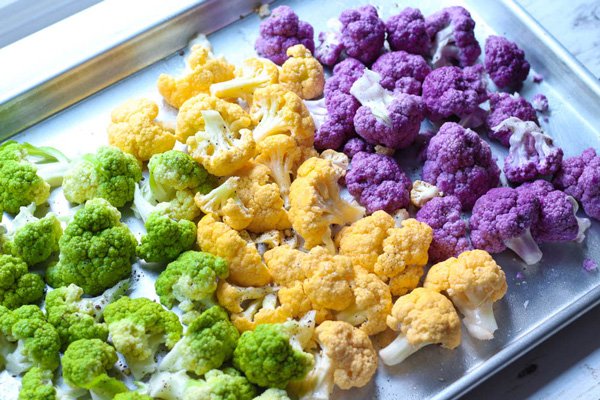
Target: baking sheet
551, 293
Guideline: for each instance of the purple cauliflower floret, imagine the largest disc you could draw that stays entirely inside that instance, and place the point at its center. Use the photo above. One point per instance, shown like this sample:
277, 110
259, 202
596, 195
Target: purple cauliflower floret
454, 42
336, 126
532, 153
579, 177
363, 33
442, 214
449, 91
460, 163
344, 75
407, 31
283, 29
504, 106
502, 218
356, 145
557, 219
378, 183
385, 119
330, 46
402, 72
505, 62
540, 102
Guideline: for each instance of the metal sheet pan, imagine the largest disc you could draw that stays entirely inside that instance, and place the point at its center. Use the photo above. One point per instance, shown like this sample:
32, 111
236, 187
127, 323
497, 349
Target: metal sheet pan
552, 293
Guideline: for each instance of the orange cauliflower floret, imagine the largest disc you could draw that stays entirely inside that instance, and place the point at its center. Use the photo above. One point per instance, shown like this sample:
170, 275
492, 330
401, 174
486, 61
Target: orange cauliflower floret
422, 317
251, 306
474, 282
347, 359
363, 240
254, 73
302, 73
246, 267
285, 265
219, 149
190, 120
405, 254
372, 303
328, 279
248, 201
134, 130
277, 110
205, 70
282, 155
315, 203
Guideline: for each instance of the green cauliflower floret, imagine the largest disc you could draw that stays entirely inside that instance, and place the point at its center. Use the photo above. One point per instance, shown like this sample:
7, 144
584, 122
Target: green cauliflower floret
132, 396
26, 174
181, 207
208, 342
31, 239
228, 384
77, 318
273, 394
96, 250
166, 238
38, 344
17, 285
137, 328
37, 385
109, 174
191, 280
174, 171
272, 355
86, 363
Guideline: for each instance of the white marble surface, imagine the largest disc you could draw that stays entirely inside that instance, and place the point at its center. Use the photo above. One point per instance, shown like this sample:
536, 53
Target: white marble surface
566, 366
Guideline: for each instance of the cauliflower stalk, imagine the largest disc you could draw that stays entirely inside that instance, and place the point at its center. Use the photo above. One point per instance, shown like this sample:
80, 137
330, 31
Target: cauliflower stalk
421, 318
474, 282
254, 73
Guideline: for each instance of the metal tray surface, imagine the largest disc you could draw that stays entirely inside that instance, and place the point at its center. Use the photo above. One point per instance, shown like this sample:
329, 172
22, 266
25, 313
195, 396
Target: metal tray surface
552, 293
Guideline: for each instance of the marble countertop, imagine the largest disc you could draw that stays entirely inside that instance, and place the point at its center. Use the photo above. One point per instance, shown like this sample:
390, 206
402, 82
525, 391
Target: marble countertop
566, 366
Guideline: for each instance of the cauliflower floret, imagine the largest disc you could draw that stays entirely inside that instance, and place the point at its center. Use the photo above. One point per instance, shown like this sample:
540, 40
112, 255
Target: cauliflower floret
474, 282
422, 317
363, 33
422, 192
134, 130
277, 110
302, 73
285, 265
505, 62
246, 267
363, 240
372, 303
253, 74
205, 70
315, 203
281, 154
221, 150
407, 31
328, 279
405, 254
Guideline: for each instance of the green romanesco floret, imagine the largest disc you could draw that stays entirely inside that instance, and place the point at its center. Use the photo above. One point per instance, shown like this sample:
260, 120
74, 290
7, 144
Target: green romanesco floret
26, 174
109, 174
132, 396
271, 357
77, 318
17, 285
38, 344
208, 342
37, 385
228, 384
32, 239
137, 328
86, 363
273, 394
166, 238
191, 280
96, 250
174, 171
